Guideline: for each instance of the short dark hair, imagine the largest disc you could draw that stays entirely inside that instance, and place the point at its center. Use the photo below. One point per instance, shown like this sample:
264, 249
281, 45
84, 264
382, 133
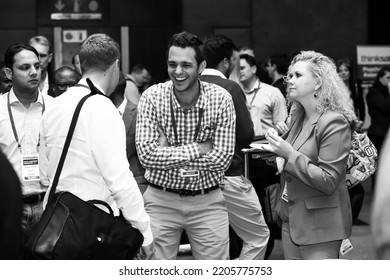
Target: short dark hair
9, 55
184, 40
217, 48
282, 62
98, 52
63, 69
138, 68
250, 59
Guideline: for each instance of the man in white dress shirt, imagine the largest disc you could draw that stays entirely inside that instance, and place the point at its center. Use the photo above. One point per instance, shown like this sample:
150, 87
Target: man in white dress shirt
21, 112
96, 166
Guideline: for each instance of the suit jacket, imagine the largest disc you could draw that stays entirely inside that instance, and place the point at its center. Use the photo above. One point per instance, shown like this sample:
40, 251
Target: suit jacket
244, 125
318, 207
130, 120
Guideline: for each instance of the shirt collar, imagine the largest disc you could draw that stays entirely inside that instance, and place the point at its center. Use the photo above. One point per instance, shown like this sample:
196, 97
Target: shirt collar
213, 72
122, 107
200, 103
14, 100
255, 87
84, 82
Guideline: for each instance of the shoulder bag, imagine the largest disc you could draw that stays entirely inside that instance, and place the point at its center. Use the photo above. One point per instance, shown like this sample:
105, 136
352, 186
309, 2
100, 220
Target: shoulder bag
362, 159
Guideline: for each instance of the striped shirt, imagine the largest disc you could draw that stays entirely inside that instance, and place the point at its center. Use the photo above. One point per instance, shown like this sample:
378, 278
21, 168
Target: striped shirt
164, 164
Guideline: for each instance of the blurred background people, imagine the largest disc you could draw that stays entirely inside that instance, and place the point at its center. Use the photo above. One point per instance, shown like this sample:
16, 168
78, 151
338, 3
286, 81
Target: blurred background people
136, 81
378, 103
64, 78
346, 73
5, 80
43, 47
315, 208
277, 67
76, 63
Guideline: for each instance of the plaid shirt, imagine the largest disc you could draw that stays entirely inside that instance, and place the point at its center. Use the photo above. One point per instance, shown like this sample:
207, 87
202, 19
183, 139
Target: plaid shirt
164, 164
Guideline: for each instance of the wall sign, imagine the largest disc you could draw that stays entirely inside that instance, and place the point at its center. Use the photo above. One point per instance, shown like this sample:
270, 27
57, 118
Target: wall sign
370, 59
76, 10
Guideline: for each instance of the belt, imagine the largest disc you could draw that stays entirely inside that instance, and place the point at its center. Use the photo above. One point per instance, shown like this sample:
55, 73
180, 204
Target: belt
182, 192
33, 198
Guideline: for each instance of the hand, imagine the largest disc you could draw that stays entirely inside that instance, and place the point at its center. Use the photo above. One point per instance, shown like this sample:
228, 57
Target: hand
281, 127
162, 140
205, 147
278, 145
147, 252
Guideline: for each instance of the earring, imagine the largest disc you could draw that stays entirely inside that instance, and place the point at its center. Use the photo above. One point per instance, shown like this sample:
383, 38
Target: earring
315, 95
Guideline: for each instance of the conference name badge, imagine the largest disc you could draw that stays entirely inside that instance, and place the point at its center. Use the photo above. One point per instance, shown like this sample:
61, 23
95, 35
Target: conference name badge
189, 173
30, 167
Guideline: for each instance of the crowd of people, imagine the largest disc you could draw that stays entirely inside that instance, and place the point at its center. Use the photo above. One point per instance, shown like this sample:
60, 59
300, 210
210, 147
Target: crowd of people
169, 156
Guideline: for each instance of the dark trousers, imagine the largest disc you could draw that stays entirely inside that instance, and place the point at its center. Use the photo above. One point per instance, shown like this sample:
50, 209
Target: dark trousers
262, 175
377, 140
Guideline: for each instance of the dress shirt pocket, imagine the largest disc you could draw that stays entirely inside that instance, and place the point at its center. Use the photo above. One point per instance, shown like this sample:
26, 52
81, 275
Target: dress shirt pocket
317, 202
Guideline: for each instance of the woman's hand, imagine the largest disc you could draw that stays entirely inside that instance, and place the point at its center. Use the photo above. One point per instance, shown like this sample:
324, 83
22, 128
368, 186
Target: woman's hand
278, 145
281, 127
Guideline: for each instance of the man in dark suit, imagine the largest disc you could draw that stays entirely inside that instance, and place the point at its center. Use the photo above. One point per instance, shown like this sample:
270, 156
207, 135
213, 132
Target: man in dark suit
128, 111
244, 209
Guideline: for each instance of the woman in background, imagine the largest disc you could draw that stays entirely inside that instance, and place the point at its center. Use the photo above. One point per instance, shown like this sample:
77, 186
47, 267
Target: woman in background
314, 204
345, 70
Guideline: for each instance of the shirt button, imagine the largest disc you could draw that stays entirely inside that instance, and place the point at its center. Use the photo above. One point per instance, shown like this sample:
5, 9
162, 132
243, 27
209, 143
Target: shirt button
288, 179
291, 202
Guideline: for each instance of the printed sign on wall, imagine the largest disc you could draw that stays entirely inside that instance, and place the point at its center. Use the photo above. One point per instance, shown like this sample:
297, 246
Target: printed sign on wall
370, 59
76, 10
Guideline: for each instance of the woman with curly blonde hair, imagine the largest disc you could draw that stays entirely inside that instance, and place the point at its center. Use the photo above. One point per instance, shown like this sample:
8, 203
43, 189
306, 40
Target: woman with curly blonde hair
314, 205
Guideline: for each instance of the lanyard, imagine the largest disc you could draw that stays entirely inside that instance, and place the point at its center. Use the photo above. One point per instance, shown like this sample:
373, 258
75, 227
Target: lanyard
174, 124
254, 96
13, 122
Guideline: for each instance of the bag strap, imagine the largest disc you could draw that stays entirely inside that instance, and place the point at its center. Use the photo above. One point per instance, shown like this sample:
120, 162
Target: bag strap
68, 139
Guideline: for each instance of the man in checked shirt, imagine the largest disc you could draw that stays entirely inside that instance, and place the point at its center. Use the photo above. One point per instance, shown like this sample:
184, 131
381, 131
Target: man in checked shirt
185, 139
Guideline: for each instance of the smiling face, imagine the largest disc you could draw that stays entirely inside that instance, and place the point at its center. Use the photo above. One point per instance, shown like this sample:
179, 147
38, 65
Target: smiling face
26, 72
183, 69
301, 81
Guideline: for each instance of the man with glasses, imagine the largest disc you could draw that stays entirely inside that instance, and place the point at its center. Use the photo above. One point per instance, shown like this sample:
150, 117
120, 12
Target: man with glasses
42, 45
64, 78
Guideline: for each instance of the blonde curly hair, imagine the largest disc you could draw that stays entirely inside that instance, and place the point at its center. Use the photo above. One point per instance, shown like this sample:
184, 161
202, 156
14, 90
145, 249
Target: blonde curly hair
333, 94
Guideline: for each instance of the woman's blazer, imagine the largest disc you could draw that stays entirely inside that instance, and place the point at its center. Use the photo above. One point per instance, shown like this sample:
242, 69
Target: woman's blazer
318, 199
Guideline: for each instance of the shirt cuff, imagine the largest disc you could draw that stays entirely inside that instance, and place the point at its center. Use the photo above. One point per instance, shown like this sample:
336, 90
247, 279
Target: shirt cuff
148, 236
